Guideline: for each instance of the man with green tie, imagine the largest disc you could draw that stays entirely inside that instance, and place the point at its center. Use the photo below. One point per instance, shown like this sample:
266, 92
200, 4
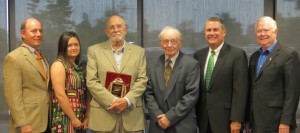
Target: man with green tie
223, 82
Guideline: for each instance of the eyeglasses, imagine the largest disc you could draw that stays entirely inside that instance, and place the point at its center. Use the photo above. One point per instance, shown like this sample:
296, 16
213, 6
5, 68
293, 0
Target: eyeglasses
116, 27
172, 41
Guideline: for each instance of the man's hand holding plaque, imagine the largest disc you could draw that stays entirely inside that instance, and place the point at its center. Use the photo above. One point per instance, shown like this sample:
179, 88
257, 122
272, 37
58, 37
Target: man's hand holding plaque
119, 105
118, 84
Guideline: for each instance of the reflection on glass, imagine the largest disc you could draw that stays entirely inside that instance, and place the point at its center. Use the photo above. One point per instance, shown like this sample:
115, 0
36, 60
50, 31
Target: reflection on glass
88, 19
3, 52
190, 16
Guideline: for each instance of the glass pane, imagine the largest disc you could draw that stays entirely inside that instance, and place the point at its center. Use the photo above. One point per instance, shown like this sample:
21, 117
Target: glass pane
189, 17
3, 52
288, 19
88, 19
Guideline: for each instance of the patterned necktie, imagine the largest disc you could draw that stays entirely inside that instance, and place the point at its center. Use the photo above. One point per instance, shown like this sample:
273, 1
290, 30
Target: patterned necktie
168, 70
209, 69
39, 59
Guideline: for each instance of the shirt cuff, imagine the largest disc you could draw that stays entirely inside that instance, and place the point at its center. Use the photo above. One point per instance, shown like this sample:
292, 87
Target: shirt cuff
128, 102
23, 125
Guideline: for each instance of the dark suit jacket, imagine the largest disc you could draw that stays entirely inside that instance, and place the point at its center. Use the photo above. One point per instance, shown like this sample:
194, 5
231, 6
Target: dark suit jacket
226, 98
275, 92
178, 100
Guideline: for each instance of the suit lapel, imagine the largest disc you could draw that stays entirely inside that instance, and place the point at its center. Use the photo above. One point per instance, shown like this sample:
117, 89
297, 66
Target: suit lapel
270, 59
109, 55
126, 55
202, 61
32, 59
254, 64
174, 76
160, 67
220, 61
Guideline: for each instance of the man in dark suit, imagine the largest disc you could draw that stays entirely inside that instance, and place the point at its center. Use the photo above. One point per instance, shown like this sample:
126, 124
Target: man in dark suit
173, 87
224, 82
274, 82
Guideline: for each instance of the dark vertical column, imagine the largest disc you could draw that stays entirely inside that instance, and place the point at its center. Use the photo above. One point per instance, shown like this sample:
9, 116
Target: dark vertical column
11, 25
140, 22
270, 8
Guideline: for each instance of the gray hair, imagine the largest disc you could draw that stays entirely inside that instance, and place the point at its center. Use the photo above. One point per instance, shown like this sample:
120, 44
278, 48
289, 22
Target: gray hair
269, 19
169, 28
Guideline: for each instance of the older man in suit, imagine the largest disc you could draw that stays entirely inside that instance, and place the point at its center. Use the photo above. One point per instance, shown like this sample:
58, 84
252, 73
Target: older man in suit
109, 113
224, 82
26, 78
274, 81
173, 87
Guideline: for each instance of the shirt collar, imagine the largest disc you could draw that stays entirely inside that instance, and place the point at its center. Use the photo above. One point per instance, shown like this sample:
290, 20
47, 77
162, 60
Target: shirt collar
31, 49
217, 50
121, 51
173, 59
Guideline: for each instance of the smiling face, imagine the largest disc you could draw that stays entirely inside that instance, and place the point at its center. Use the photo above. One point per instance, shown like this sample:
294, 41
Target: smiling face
214, 34
32, 34
116, 29
73, 49
266, 33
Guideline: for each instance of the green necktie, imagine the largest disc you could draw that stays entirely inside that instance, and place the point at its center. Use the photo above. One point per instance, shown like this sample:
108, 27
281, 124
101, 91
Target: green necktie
209, 69
168, 70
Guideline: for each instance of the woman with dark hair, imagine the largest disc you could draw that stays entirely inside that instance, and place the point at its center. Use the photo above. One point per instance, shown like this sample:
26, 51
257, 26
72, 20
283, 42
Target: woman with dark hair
70, 102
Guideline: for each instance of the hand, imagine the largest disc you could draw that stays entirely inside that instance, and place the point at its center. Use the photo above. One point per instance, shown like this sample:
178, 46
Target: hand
76, 124
235, 127
26, 128
119, 105
85, 123
284, 128
247, 128
163, 121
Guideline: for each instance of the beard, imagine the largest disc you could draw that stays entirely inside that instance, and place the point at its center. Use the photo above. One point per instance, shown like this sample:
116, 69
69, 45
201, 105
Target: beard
116, 37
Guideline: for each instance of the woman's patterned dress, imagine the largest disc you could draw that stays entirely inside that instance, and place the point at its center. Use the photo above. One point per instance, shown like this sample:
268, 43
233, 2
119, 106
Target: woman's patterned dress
76, 93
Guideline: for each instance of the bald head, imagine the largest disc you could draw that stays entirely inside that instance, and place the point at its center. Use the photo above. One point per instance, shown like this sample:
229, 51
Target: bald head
23, 25
113, 19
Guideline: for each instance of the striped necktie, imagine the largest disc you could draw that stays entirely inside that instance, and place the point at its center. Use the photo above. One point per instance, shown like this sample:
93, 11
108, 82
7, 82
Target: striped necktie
168, 70
209, 69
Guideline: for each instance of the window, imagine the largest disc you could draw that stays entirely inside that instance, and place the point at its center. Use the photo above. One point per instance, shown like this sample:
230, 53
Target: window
3, 52
288, 19
189, 16
88, 19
